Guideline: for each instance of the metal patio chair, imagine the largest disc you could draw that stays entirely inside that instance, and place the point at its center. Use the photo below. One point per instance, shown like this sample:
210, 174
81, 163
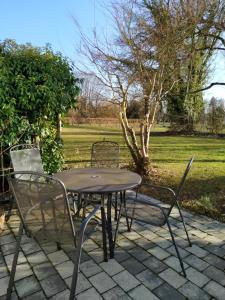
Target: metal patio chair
105, 154
144, 206
27, 157
45, 215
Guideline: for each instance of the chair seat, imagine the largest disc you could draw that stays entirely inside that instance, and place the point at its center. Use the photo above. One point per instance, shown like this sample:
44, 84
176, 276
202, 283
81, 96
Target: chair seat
145, 209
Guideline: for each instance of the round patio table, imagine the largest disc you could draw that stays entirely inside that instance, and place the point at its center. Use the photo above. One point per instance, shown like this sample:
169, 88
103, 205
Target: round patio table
103, 181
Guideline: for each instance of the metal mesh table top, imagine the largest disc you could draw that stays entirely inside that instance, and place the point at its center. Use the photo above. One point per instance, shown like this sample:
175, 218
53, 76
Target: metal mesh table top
98, 180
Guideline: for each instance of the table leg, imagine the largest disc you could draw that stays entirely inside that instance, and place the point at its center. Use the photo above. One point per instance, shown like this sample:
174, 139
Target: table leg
104, 241
109, 226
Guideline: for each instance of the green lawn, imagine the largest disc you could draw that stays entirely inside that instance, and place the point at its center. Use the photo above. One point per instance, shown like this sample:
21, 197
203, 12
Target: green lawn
205, 188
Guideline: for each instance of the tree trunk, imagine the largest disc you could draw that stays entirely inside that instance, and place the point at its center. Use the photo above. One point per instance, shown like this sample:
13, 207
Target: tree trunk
58, 127
142, 166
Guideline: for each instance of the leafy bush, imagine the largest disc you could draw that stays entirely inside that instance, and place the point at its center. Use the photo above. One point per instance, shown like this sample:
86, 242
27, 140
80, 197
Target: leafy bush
36, 85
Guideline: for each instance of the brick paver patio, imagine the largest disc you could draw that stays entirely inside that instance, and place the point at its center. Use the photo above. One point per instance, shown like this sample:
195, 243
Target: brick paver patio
145, 266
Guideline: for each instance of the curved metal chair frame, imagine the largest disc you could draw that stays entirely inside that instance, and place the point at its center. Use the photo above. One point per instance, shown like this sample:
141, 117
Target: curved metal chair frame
45, 215
105, 154
142, 207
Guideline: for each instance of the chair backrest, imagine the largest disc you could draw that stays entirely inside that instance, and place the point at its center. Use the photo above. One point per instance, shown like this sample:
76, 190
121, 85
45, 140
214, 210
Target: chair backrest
43, 207
26, 157
181, 185
105, 154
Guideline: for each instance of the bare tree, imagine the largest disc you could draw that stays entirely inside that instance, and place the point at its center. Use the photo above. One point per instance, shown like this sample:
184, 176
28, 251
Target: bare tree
142, 62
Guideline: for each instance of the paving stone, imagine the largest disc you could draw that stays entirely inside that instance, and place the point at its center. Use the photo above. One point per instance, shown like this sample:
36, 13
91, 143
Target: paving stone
49, 247
214, 240
192, 292
8, 248
5, 239
162, 242
196, 250
25, 239
57, 257
116, 293
126, 281
96, 255
215, 261
3, 270
52, 285
84, 256
133, 266
36, 296
13, 297
89, 294
27, 286
151, 227
22, 271
149, 279
90, 245
144, 243
183, 253
215, 274
90, 268
132, 235
196, 262
215, 289
137, 227
173, 278
44, 270
139, 253
82, 283
1, 258
37, 258
126, 244
167, 292
30, 247
198, 233
64, 295
149, 235
121, 254
65, 269
216, 250
102, 282
174, 263
111, 267
196, 277
4, 285
141, 292
159, 252
9, 259
154, 264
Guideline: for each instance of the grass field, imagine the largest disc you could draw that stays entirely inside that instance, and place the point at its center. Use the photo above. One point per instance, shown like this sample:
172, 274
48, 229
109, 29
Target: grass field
205, 187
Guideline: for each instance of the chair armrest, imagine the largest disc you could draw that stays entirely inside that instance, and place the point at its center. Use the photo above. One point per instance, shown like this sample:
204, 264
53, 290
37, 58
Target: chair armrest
160, 187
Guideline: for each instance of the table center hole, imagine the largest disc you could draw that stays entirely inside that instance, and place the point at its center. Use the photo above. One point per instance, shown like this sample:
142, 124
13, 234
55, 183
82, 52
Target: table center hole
95, 176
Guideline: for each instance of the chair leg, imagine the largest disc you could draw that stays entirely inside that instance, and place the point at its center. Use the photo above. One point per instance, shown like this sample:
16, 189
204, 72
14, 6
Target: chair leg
75, 272
15, 258
176, 248
182, 219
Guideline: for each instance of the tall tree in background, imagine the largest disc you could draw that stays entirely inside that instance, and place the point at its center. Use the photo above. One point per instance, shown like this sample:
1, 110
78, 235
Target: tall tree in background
203, 20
